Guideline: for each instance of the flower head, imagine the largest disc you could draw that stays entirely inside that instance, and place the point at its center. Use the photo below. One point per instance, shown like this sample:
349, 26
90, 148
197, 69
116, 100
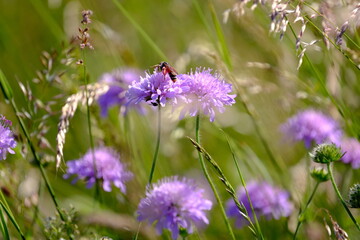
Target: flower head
156, 89
107, 168
7, 141
208, 93
118, 80
354, 196
268, 201
311, 127
174, 204
326, 153
351, 148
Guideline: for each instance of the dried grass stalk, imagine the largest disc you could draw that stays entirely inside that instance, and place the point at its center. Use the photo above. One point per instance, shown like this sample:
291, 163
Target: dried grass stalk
68, 110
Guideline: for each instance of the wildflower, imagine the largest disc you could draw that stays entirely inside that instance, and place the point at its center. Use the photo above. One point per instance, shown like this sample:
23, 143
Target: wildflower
175, 204
351, 148
268, 201
7, 140
118, 81
102, 164
312, 126
326, 153
354, 196
207, 93
155, 89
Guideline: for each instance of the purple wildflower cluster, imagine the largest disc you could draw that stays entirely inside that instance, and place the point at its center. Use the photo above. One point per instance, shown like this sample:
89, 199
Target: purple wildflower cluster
7, 141
118, 80
311, 126
156, 89
207, 93
351, 148
268, 201
107, 168
174, 203
194, 93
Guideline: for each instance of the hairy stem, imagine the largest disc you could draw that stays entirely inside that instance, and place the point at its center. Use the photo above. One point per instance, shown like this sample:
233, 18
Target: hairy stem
340, 197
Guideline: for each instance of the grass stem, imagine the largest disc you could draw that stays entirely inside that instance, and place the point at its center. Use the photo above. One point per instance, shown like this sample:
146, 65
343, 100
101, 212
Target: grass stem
208, 178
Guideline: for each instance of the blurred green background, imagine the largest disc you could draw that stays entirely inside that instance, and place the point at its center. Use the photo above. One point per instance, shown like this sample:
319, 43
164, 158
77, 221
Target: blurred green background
184, 32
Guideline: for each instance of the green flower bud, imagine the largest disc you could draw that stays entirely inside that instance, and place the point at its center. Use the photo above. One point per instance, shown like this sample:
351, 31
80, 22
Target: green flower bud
326, 153
354, 196
320, 174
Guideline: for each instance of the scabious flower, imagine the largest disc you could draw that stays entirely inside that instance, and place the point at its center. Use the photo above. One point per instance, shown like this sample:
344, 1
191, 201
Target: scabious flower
351, 148
118, 80
208, 93
107, 169
325, 153
7, 141
156, 89
174, 204
268, 201
311, 126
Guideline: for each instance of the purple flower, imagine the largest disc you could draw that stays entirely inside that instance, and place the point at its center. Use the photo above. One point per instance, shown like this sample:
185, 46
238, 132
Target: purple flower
351, 148
268, 201
7, 140
312, 126
109, 170
118, 80
174, 203
208, 93
156, 89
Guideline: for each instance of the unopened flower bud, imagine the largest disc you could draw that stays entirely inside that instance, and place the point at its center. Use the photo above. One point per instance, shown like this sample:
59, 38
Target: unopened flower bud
320, 174
326, 153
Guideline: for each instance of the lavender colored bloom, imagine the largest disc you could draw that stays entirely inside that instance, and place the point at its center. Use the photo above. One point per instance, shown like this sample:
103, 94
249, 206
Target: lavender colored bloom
7, 140
268, 201
118, 80
351, 148
109, 170
208, 93
174, 203
312, 126
156, 89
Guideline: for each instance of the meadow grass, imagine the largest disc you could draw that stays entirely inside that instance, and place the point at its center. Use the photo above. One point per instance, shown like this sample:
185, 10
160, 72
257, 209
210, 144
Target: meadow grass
281, 59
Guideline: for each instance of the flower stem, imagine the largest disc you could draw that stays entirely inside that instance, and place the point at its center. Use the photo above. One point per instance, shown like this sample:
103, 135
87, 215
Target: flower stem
5, 206
208, 178
92, 146
340, 197
300, 216
157, 146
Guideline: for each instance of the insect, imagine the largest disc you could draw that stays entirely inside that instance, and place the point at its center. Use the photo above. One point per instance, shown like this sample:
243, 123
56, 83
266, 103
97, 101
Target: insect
165, 68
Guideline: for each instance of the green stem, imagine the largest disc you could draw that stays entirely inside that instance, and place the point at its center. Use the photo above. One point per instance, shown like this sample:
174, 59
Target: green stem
157, 145
38, 162
340, 197
88, 114
202, 163
7, 209
300, 220
4, 228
